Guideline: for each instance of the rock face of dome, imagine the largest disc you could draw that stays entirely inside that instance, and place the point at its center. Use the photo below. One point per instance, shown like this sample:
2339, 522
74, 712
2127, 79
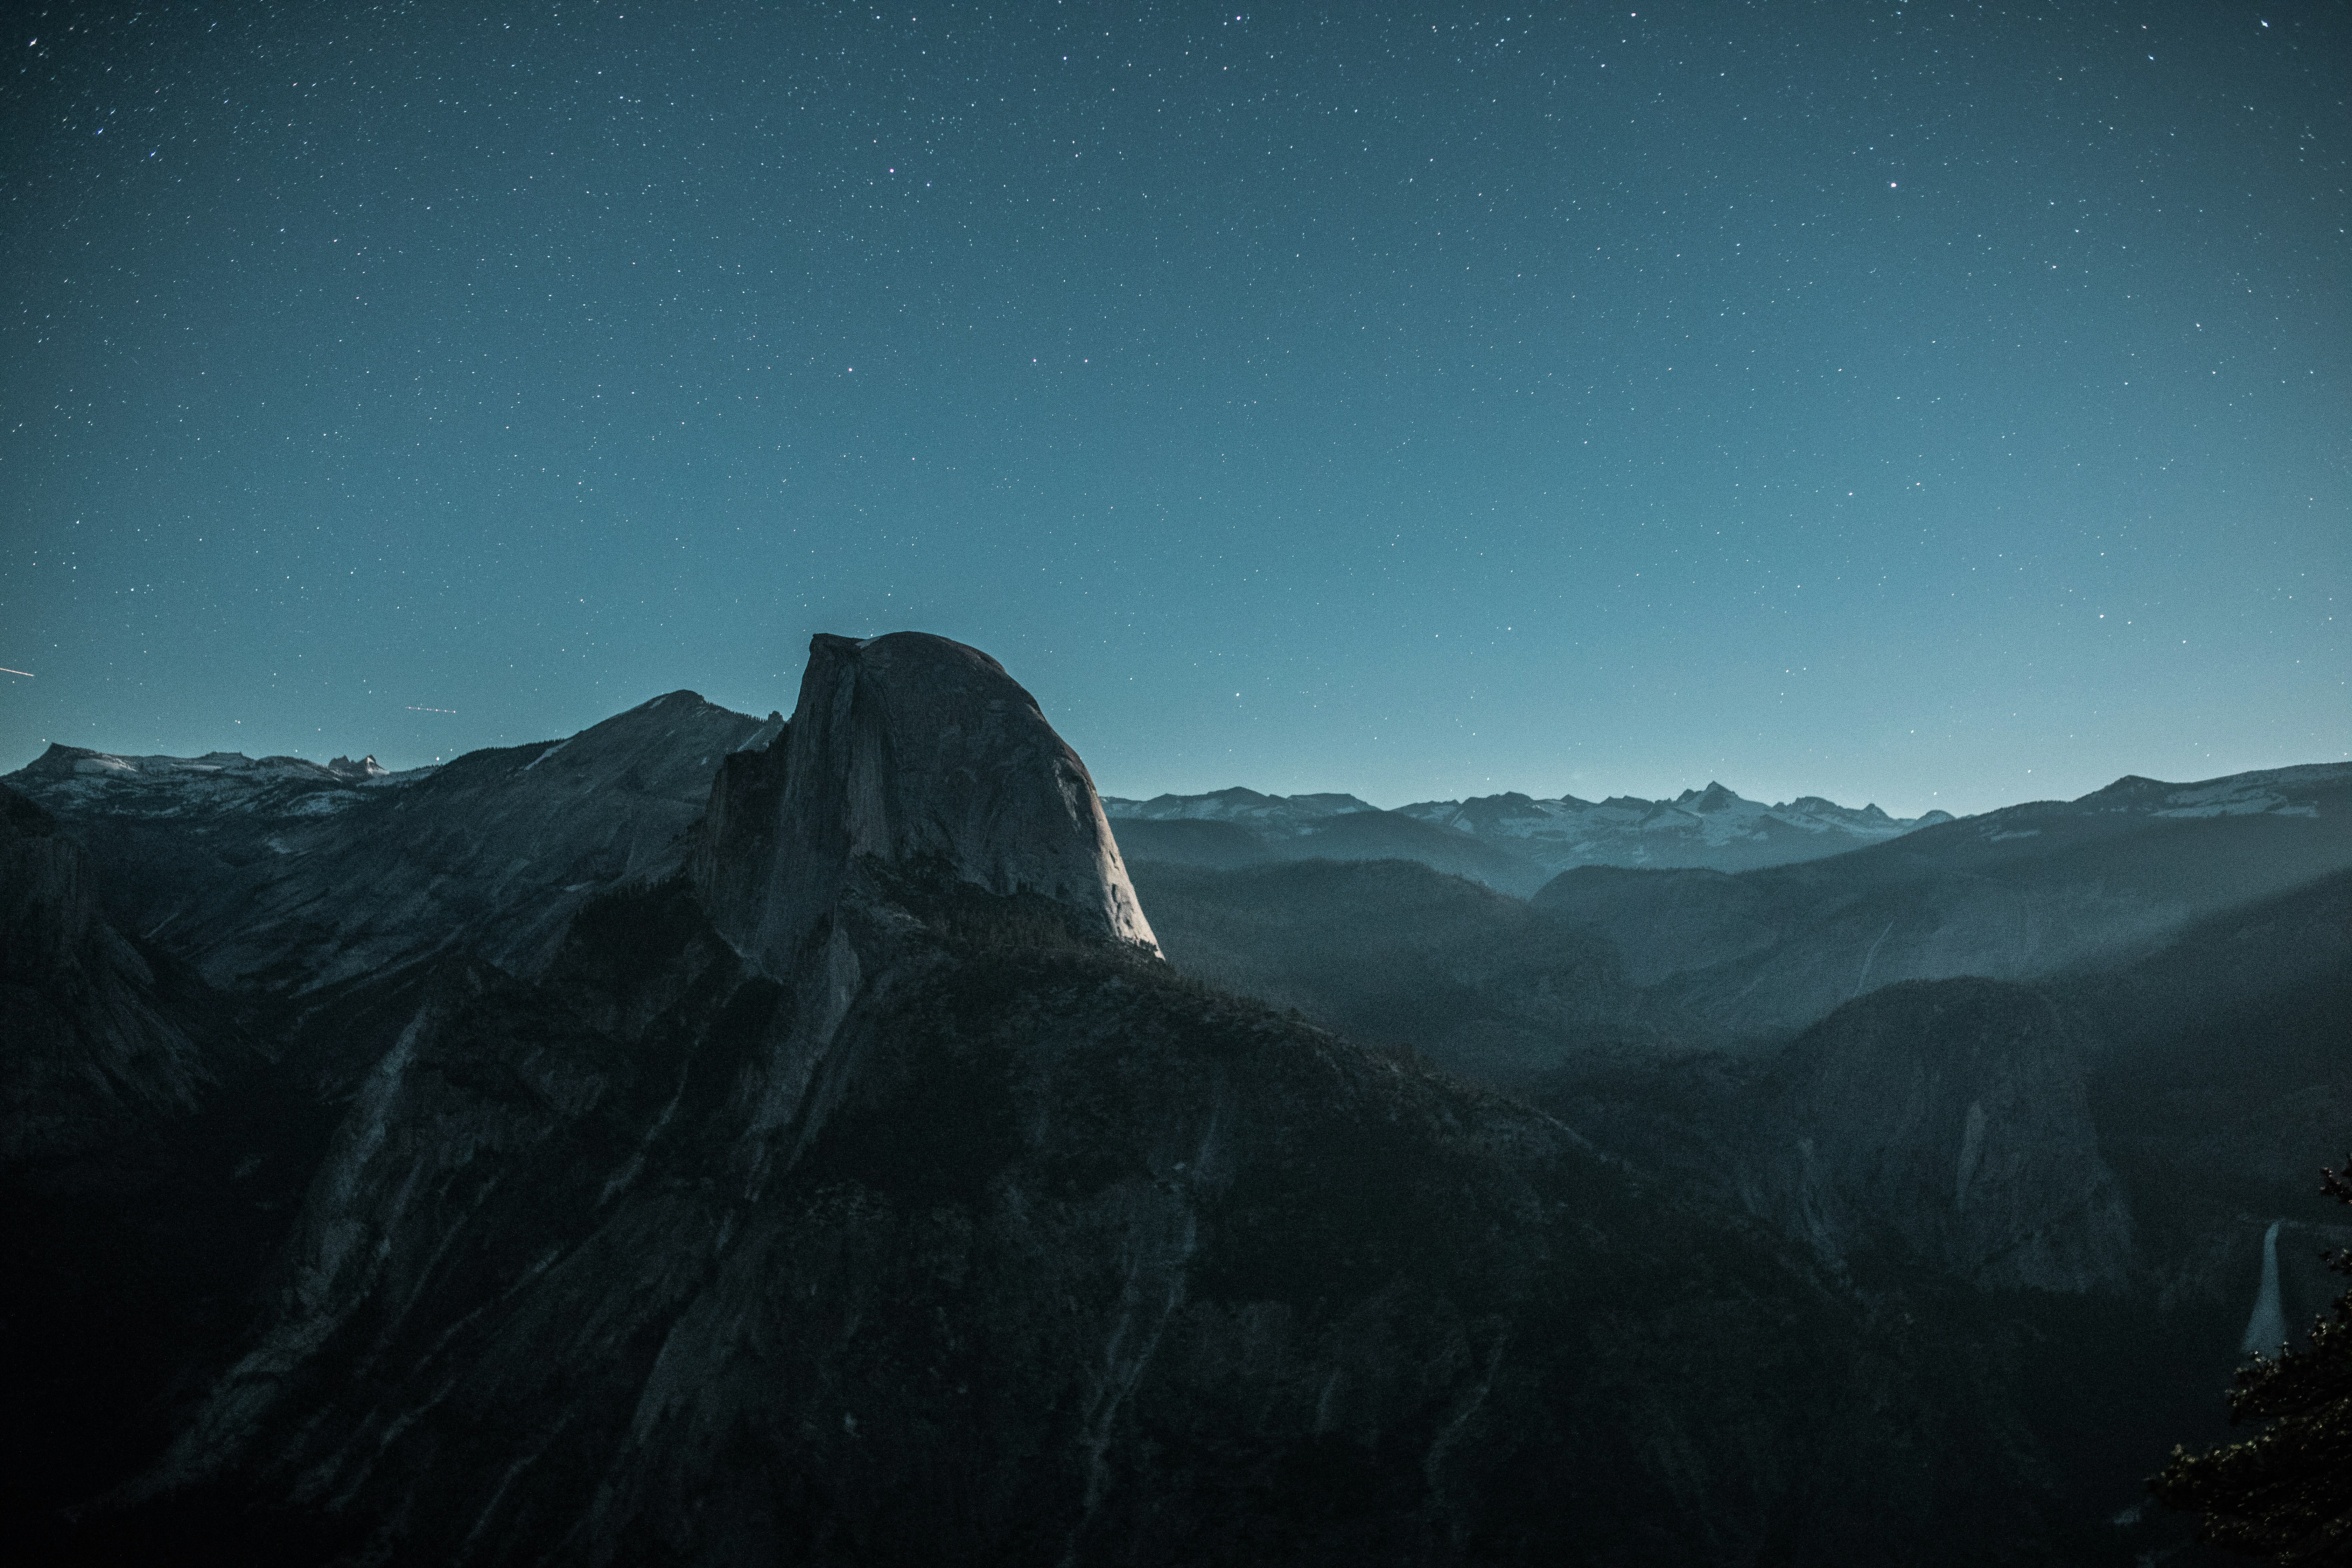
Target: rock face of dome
909, 755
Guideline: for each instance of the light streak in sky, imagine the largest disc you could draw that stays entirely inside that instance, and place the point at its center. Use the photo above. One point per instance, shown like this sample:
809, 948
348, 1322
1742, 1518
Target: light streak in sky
26, 673
414, 709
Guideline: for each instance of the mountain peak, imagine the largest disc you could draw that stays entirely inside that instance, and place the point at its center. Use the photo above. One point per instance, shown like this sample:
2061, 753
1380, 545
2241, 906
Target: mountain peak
1714, 798
920, 755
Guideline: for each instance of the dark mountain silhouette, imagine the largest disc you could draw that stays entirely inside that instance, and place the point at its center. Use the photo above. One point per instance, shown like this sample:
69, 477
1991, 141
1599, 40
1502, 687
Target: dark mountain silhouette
2119, 1136
2072, 1174
841, 1174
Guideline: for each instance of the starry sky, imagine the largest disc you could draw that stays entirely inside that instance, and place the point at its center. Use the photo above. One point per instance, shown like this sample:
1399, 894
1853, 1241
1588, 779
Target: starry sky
1934, 404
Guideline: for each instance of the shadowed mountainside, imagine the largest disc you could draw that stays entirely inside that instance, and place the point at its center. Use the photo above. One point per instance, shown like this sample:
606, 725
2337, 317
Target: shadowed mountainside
2017, 894
1075, 1261
1392, 953
2125, 1135
272, 877
2071, 1176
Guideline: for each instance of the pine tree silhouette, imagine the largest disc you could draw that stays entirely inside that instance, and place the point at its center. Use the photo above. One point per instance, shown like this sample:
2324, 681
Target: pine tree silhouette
2286, 1493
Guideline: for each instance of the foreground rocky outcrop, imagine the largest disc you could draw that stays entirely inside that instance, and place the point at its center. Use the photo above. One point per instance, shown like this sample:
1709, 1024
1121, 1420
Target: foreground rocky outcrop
125, 1236
1059, 1261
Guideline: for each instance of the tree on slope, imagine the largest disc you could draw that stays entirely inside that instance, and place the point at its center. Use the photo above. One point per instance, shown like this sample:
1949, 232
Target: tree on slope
2286, 1493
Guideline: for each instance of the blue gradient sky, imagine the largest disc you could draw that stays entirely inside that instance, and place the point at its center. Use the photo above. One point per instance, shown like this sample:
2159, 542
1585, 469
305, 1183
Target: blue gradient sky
1932, 405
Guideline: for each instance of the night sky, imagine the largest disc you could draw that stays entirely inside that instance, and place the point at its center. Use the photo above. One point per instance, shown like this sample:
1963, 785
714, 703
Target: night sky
1939, 406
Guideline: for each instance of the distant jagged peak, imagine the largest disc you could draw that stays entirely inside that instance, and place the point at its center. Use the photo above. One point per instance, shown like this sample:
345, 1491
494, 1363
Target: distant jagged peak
661, 715
909, 755
1512, 813
1862, 819
682, 697
61, 759
75, 777
1713, 825
1332, 804
669, 744
1712, 799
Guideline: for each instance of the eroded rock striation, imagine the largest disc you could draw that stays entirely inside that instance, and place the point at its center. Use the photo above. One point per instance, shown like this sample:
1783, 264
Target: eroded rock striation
93, 1051
1949, 1122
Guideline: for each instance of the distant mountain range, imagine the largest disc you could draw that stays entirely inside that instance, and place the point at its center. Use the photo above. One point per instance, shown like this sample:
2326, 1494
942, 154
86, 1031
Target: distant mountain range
1511, 842
173, 786
1736, 960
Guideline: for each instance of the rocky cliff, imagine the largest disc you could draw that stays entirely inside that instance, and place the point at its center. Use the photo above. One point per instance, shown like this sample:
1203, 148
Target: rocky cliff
1947, 1123
93, 1051
912, 755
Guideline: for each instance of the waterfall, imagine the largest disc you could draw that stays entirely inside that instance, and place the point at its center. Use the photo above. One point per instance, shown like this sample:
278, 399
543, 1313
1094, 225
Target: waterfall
2266, 1329
1971, 1151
